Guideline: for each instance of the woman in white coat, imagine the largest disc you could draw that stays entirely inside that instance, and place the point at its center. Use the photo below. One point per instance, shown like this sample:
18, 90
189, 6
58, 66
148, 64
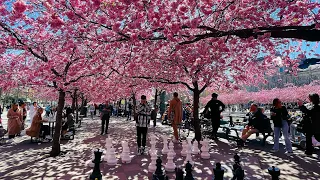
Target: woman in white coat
33, 110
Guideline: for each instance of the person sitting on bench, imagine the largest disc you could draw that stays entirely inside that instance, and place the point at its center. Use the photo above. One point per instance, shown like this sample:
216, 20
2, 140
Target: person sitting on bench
69, 124
256, 124
37, 127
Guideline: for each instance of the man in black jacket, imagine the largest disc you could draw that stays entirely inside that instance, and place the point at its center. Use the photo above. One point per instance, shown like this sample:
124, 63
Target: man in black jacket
257, 122
216, 107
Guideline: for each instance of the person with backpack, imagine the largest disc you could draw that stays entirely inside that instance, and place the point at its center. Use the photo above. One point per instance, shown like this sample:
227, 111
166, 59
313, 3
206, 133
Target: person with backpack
311, 122
142, 117
175, 115
216, 107
280, 117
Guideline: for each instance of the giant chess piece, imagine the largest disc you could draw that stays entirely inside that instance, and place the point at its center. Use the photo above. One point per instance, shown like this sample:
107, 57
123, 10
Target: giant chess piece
218, 172
189, 157
165, 149
152, 166
108, 147
179, 174
205, 149
96, 173
170, 166
189, 175
153, 143
159, 174
189, 140
184, 148
125, 155
238, 172
171, 148
274, 172
112, 160
195, 148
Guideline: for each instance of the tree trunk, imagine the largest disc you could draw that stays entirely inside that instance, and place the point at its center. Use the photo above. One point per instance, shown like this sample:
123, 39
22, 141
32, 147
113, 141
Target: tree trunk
74, 96
77, 110
134, 101
196, 121
55, 151
155, 99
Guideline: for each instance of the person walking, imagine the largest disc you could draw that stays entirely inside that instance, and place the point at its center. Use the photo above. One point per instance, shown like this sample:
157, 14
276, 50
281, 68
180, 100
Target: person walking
216, 107
311, 122
105, 117
175, 114
154, 113
280, 117
14, 121
92, 109
129, 111
143, 112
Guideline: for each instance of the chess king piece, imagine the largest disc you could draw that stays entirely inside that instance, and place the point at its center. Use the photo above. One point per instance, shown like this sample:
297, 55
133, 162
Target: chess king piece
125, 155
189, 157
170, 166
184, 148
171, 148
152, 166
96, 173
153, 143
159, 174
195, 148
238, 172
179, 174
274, 172
189, 175
205, 149
165, 149
112, 160
218, 172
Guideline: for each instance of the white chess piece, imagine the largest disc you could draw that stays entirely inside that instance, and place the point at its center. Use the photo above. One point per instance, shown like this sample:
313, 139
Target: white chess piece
112, 160
195, 148
108, 147
152, 166
184, 148
153, 143
189, 140
170, 166
171, 148
165, 149
189, 158
205, 149
125, 155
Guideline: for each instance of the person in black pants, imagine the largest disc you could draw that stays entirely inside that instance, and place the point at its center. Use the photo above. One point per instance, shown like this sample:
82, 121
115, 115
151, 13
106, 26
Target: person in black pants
216, 108
143, 112
105, 117
154, 115
311, 121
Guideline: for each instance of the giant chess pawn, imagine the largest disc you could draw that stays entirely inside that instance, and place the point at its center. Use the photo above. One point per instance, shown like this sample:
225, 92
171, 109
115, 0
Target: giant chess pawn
170, 166
152, 166
165, 149
238, 172
218, 172
125, 155
205, 149
184, 148
108, 147
189, 157
96, 173
189, 175
195, 148
159, 174
112, 160
189, 140
171, 148
179, 174
153, 143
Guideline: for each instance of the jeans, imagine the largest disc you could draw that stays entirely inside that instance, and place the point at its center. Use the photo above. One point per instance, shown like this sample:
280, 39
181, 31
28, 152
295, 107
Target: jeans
285, 131
129, 115
105, 121
142, 131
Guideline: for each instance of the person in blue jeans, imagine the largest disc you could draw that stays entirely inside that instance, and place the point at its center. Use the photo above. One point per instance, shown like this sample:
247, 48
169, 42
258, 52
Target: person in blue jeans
280, 116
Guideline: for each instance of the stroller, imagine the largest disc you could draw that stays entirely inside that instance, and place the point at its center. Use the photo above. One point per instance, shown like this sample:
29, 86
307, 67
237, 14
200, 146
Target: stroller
298, 138
3, 132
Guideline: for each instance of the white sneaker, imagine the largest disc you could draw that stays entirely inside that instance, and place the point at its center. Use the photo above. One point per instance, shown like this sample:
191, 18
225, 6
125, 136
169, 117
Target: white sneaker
274, 150
288, 153
48, 137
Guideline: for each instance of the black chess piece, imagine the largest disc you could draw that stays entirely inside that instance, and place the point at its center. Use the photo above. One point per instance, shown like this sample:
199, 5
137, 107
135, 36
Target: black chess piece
238, 172
159, 174
274, 172
189, 175
179, 174
96, 173
218, 172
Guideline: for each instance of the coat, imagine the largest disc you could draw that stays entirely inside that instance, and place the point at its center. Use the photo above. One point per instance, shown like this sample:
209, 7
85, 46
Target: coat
14, 121
175, 111
34, 130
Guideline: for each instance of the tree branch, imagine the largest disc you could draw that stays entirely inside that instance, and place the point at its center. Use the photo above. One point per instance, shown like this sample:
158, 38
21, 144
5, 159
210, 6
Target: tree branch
165, 81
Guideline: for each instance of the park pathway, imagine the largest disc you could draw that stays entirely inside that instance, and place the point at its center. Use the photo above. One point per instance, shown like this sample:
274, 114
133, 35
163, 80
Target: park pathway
23, 160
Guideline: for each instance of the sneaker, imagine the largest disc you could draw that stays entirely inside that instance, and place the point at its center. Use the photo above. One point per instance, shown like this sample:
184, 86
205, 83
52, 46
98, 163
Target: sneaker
143, 150
274, 150
139, 151
288, 153
48, 137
